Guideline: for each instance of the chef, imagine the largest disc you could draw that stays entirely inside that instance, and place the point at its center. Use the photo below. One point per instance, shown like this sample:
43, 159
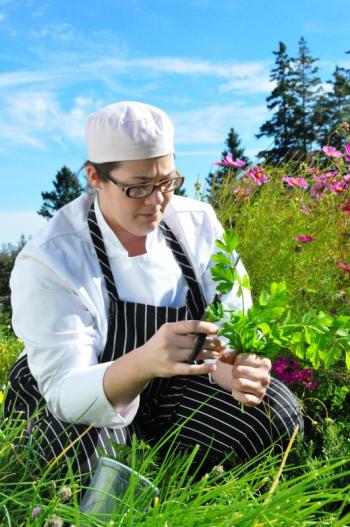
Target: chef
108, 299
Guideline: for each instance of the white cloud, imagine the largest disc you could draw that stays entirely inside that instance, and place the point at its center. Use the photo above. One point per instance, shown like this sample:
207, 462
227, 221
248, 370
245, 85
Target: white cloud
210, 125
15, 223
253, 84
93, 70
33, 118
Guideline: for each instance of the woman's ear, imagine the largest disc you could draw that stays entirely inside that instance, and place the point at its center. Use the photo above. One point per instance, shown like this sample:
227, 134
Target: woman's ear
92, 177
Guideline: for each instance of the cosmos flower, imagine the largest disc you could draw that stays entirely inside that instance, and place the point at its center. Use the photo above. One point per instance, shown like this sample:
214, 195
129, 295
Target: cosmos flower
318, 188
257, 175
346, 207
229, 161
347, 152
296, 182
338, 187
326, 175
304, 239
330, 151
343, 266
289, 371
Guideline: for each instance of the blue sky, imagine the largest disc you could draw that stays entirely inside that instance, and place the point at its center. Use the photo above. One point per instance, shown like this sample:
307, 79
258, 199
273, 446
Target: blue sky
205, 62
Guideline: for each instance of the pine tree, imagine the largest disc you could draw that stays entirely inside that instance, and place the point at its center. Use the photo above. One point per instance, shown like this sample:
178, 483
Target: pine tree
67, 187
233, 143
307, 89
333, 109
282, 102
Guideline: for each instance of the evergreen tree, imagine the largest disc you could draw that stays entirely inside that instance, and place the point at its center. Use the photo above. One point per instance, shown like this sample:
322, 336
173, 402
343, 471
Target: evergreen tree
307, 89
8, 253
333, 109
233, 143
67, 187
282, 102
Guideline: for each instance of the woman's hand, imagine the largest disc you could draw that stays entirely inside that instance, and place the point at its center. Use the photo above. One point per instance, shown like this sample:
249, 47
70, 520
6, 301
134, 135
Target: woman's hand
165, 354
250, 377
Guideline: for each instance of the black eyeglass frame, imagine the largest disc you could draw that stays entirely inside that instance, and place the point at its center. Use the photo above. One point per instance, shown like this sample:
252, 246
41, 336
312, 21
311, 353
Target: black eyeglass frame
127, 188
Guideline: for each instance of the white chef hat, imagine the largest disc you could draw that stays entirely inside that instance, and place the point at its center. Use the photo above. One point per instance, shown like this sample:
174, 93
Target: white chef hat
128, 130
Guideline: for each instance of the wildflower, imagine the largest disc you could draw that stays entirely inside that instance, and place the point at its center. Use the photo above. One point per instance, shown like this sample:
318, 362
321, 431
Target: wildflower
347, 152
65, 494
290, 372
346, 207
229, 162
305, 377
54, 521
338, 187
326, 175
296, 182
305, 209
36, 512
330, 151
305, 239
313, 170
343, 266
242, 193
346, 178
1, 397
317, 189
257, 174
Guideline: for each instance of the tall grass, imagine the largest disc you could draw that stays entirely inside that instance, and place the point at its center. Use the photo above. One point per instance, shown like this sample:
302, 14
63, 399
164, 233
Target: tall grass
254, 494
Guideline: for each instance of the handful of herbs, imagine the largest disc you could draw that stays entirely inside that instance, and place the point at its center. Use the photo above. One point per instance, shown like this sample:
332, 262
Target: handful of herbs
266, 328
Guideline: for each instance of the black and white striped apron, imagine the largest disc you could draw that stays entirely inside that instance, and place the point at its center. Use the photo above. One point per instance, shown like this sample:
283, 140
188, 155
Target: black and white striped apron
209, 416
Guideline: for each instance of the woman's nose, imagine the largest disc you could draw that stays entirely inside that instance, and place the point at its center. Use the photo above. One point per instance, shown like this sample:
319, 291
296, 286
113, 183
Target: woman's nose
156, 197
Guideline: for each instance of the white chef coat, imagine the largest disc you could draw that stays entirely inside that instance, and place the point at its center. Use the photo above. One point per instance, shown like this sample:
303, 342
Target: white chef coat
60, 302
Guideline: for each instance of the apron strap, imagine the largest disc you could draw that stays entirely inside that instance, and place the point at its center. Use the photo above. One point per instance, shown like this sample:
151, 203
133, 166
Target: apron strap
186, 267
101, 254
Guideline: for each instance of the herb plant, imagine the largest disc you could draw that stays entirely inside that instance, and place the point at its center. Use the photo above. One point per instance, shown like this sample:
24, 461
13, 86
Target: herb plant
267, 327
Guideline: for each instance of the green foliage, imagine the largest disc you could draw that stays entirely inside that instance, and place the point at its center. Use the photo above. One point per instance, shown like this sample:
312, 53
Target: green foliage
8, 255
267, 222
66, 188
267, 327
10, 348
303, 113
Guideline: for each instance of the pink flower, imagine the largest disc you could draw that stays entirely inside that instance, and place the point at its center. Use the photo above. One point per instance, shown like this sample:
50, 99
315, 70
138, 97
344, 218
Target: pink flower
347, 152
346, 177
338, 187
296, 182
228, 162
305, 377
242, 193
331, 151
314, 170
304, 239
257, 175
326, 175
346, 206
290, 371
305, 209
343, 266
317, 189
36, 512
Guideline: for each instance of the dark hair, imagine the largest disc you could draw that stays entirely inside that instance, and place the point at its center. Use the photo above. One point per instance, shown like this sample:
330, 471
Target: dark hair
103, 167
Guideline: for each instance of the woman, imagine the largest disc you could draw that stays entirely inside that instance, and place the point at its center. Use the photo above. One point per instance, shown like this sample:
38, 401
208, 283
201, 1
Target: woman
108, 298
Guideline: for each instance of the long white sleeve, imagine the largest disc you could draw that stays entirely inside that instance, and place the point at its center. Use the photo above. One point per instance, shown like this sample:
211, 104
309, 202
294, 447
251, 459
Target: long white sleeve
62, 345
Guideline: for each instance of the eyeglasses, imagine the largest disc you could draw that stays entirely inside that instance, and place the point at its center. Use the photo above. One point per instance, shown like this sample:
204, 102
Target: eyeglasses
146, 189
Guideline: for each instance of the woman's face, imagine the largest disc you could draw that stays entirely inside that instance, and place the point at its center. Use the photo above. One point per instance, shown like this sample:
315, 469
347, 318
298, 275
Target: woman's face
134, 216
